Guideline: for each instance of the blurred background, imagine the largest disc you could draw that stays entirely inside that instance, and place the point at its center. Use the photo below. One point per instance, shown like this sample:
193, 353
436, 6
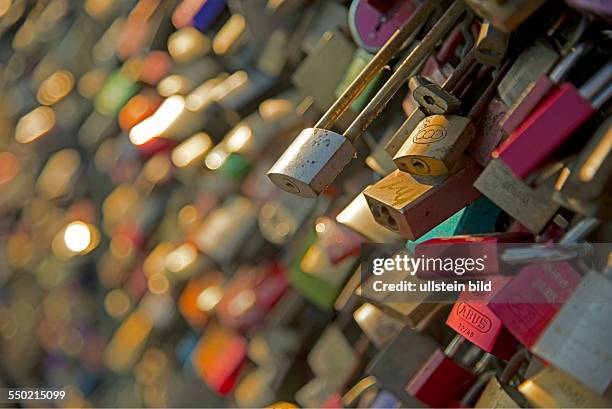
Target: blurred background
146, 260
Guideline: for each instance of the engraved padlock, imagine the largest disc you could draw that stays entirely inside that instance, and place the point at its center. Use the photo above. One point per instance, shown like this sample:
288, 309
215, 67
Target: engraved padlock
438, 141
314, 160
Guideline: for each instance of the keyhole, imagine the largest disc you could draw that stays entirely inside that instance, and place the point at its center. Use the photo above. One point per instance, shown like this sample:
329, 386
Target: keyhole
419, 166
388, 218
429, 99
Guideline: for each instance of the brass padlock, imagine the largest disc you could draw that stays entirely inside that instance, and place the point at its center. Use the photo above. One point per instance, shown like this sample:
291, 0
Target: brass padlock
357, 216
418, 114
438, 141
314, 160
491, 45
498, 393
411, 208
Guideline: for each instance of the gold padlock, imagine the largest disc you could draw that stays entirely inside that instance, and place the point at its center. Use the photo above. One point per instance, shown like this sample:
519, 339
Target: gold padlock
491, 45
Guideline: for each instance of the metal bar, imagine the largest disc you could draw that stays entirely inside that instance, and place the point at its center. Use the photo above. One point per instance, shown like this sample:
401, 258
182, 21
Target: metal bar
382, 57
401, 75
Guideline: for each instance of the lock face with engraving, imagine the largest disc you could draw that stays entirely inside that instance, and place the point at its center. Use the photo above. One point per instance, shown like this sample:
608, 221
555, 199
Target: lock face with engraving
435, 145
478, 324
410, 208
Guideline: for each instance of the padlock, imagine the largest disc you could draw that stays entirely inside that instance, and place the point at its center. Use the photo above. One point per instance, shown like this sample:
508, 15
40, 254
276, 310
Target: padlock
317, 156
530, 65
547, 286
540, 88
505, 15
373, 22
470, 246
378, 326
590, 174
577, 339
572, 105
499, 393
533, 208
250, 295
418, 114
436, 144
219, 357
360, 395
403, 205
280, 217
199, 298
222, 234
323, 281
553, 388
358, 217
441, 380
333, 358
316, 77
400, 360
338, 242
491, 45
472, 318
489, 132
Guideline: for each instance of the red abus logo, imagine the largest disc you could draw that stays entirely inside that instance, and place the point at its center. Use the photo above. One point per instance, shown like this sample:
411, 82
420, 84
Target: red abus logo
474, 318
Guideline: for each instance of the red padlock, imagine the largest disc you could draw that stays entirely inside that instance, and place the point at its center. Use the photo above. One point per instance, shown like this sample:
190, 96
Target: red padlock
472, 318
556, 118
441, 381
251, 294
521, 305
517, 114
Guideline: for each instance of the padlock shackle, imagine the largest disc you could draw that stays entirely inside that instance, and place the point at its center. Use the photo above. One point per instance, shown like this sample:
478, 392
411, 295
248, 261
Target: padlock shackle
513, 365
376, 64
567, 63
580, 231
350, 398
404, 71
459, 72
596, 84
483, 100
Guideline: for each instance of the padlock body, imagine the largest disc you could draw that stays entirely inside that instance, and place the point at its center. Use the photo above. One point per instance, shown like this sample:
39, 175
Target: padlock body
544, 130
436, 101
440, 381
411, 209
403, 132
312, 162
478, 324
488, 132
435, 145
491, 45
497, 395
521, 305
531, 207
577, 340
530, 99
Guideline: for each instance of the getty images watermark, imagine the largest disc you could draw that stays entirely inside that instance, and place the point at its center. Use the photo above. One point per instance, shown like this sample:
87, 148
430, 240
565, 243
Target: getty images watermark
477, 271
